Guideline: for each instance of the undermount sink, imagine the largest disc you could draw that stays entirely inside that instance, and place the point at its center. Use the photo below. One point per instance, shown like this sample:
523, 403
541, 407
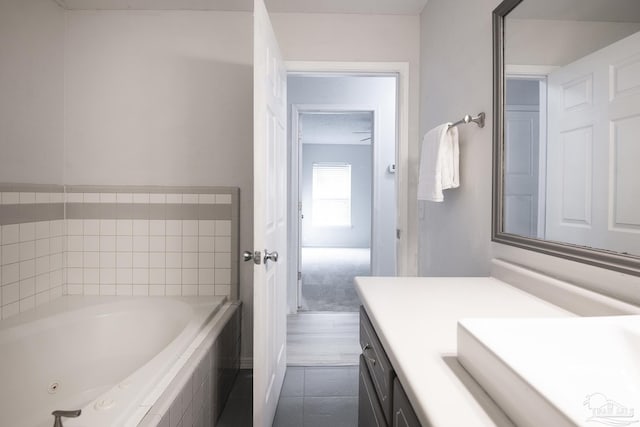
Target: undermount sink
557, 372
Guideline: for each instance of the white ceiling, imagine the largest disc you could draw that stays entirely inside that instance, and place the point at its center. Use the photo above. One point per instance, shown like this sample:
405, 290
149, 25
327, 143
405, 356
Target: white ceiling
390, 7
579, 10
336, 128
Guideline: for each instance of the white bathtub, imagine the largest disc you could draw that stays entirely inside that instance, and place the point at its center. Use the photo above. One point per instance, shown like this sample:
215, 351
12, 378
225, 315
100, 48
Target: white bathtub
108, 356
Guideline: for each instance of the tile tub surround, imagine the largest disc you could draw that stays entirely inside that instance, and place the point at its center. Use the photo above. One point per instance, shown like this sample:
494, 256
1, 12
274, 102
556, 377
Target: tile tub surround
152, 240
198, 392
31, 246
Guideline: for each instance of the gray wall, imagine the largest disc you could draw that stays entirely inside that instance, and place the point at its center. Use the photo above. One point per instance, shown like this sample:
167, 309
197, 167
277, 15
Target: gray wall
360, 158
31, 91
455, 235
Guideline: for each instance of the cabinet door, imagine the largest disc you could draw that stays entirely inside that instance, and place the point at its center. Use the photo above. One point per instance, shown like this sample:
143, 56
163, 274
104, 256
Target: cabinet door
369, 412
403, 415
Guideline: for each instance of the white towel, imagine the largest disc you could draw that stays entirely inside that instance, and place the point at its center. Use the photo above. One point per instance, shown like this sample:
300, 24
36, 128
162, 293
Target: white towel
439, 162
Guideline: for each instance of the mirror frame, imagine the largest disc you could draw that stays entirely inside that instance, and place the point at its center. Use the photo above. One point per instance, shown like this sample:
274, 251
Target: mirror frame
624, 263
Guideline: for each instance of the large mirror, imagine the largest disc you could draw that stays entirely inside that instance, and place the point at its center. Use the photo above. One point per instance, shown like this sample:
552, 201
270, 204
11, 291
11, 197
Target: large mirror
567, 129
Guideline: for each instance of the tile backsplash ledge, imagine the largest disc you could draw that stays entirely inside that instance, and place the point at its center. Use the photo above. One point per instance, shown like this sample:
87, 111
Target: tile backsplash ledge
125, 240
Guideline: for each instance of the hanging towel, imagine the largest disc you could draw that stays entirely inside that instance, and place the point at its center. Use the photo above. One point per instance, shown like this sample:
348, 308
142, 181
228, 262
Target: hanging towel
439, 163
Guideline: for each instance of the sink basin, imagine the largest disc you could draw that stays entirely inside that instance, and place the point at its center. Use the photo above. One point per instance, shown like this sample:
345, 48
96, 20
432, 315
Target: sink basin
557, 372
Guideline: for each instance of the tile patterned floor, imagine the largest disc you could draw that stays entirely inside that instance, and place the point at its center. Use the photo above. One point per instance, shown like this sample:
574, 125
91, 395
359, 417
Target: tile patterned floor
311, 397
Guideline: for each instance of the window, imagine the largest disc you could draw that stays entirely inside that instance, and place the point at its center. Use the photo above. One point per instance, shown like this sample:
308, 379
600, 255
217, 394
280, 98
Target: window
331, 195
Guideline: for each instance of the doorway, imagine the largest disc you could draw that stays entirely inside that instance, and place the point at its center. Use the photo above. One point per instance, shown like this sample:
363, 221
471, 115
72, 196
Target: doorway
335, 187
343, 220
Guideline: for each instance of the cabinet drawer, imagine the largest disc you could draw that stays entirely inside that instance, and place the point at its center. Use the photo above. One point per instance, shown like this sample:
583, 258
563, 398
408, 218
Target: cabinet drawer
403, 414
378, 364
369, 411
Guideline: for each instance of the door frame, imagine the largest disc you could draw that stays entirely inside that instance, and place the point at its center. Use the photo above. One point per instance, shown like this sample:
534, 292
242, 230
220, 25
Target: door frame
404, 260
295, 171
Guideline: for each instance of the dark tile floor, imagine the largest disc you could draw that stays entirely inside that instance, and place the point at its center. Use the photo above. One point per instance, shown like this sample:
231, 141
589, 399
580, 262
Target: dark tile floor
311, 397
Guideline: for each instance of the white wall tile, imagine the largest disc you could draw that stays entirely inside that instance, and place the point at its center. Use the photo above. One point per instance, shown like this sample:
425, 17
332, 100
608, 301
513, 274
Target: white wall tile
107, 259
124, 227
91, 260
141, 243
206, 276
174, 243
206, 244
223, 290
108, 198
42, 229
173, 227
174, 198
206, 290
107, 289
27, 269
206, 227
74, 243
10, 253
223, 244
107, 243
206, 260
190, 199
189, 290
27, 303
173, 290
223, 276
157, 227
223, 260
91, 275
91, 197
189, 276
124, 244
189, 260
174, 276
157, 260
189, 243
91, 289
27, 198
124, 198
10, 234
27, 250
43, 197
75, 227
107, 276
10, 273
207, 199
140, 276
42, 283
124, 289
223, 228
91, 243
74, 197
42, 247
27, 231
157, 198
141, 198
223, 199
124, 259
140, 290
91, 227
140, 260
10, 293
156, 276
10, 198
107, 227
190, 228
42, 265
140, 227
157, 244
156, 290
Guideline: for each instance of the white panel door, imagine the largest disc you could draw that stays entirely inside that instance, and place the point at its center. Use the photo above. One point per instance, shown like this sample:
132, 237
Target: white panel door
270, 220
593, 195
522, 147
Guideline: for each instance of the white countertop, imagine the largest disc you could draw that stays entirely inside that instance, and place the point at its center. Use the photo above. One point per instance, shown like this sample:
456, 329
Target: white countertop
416, 321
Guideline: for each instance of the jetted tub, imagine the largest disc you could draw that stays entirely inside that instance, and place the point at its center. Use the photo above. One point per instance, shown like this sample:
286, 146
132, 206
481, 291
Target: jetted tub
105, 355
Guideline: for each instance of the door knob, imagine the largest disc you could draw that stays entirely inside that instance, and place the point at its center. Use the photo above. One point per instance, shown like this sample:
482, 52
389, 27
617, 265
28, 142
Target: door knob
270, 256
256, 257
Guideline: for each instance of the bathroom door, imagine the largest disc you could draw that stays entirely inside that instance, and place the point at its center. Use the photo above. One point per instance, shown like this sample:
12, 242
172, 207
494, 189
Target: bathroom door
270, 220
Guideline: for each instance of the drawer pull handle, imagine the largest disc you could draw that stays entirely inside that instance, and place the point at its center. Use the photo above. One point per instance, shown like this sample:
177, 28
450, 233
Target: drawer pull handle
370, 360
366, 347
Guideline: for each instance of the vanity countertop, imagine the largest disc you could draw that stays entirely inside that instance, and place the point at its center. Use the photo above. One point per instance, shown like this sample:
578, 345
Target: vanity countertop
416, 320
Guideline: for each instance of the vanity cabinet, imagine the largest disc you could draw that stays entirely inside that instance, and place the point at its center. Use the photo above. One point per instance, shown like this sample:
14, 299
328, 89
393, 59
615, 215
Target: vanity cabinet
382, 402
